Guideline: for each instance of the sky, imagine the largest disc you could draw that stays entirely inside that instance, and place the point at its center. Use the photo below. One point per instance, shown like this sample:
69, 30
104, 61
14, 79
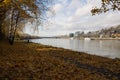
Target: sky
74, 15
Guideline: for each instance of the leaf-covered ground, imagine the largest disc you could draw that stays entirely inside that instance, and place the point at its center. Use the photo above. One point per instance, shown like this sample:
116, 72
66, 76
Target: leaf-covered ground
30, 61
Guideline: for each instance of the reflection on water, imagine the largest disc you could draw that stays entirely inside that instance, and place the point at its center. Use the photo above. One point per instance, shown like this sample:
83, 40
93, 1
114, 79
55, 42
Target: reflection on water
107, 48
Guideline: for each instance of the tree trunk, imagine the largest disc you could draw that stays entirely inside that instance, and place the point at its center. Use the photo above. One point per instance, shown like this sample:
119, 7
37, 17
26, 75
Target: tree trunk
2, 36
0, 32
13, 28
11, 40
1, 20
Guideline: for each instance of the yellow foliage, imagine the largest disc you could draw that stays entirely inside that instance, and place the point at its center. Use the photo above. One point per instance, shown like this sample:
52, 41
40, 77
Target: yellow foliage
6, 1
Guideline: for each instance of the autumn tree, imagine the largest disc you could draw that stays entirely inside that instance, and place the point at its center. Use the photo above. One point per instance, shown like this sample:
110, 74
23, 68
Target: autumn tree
106, 5
2, 17
17, 11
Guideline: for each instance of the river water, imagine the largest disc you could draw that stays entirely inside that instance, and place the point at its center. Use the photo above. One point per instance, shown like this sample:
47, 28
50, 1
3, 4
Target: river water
106, 48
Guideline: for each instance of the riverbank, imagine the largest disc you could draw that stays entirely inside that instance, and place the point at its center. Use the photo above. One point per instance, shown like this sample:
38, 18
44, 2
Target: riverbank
30, 61
105, 38
92, 38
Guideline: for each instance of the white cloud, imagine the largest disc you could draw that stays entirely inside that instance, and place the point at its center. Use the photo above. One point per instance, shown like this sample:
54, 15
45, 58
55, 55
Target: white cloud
75, 15
57, 8
83, 10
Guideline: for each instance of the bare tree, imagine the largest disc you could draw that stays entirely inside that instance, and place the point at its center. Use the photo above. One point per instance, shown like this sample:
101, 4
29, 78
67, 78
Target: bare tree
106, 5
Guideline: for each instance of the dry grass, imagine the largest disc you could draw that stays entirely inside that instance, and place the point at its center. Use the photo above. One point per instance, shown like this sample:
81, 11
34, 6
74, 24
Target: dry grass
24, 61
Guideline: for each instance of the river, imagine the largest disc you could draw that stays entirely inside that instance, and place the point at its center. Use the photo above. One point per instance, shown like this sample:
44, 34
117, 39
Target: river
105, 48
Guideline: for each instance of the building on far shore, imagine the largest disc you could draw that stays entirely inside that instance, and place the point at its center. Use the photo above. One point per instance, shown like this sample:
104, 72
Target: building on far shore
113, 32
71, 35
116, 35
79, 34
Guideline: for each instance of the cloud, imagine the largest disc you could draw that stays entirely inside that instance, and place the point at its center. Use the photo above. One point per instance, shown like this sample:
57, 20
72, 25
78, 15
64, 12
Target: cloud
83, 10
75, 15
80, 11
83, 18
57, 8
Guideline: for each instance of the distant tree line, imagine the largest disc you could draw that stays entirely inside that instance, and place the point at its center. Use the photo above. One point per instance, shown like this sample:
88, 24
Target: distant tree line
108, 32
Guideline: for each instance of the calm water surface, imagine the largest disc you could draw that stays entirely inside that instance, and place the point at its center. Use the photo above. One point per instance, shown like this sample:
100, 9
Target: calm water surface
106, 48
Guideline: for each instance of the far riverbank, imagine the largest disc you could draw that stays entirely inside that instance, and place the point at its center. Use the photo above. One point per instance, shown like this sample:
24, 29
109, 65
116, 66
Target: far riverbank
94, 38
